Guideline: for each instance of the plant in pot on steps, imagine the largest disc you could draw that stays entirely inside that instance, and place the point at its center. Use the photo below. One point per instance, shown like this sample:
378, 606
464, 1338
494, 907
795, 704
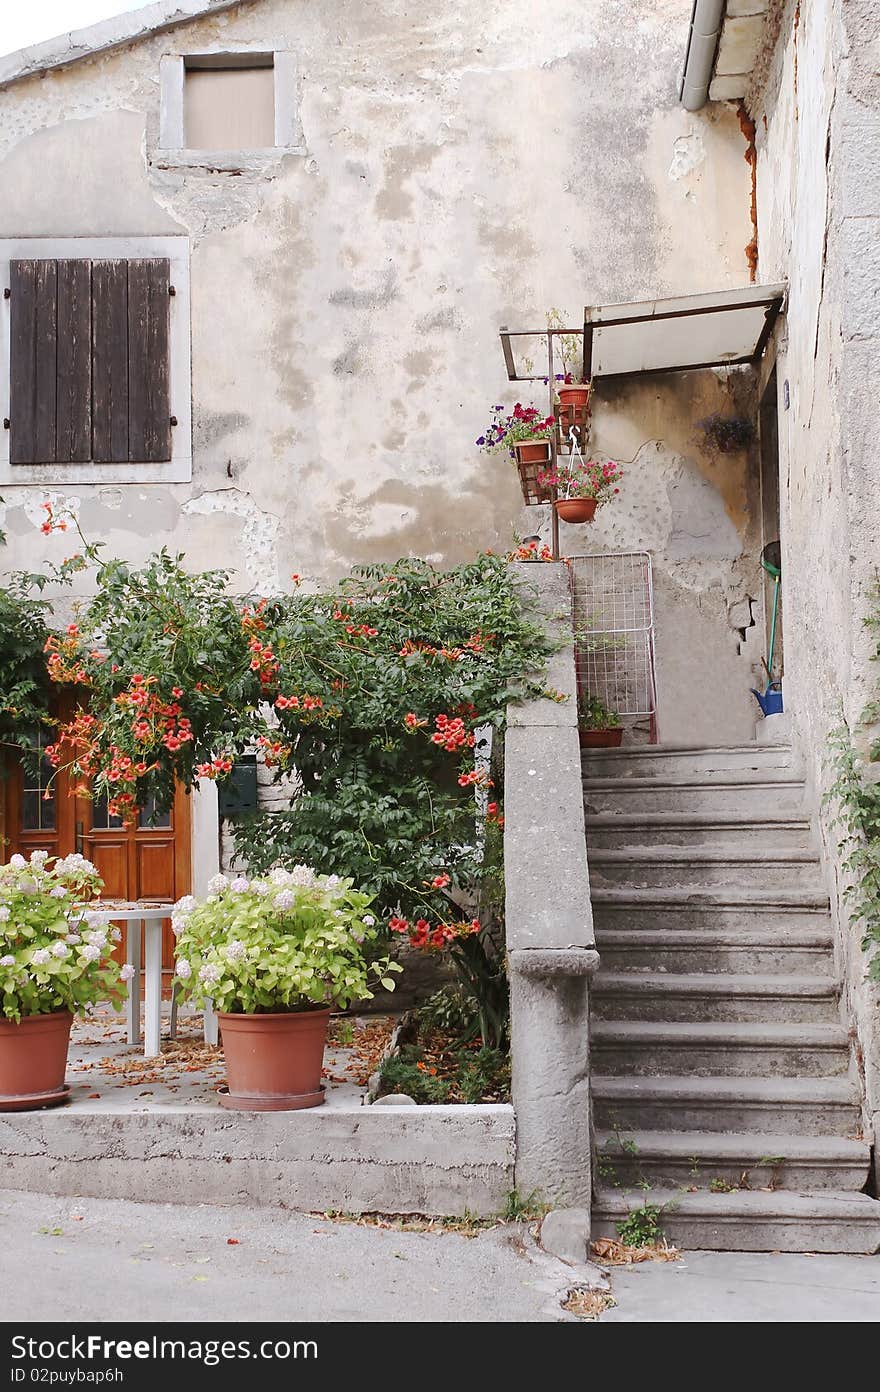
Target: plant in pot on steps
598, 727
54, 963
582, 486
276, 955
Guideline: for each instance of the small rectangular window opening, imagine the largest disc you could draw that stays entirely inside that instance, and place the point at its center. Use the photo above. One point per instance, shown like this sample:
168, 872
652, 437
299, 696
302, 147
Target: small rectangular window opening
229, 101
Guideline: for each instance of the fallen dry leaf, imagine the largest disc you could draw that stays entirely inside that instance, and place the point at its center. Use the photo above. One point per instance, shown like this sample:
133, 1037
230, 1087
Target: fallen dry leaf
614, 1253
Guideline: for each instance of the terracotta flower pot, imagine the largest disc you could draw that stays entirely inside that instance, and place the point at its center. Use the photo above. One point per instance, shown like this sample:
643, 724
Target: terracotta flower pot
33, 1057
576, 394
273, 1062
532, 451
601, 739
576, 509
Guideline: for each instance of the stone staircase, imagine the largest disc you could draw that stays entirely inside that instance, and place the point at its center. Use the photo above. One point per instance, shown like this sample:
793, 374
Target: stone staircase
724, 1089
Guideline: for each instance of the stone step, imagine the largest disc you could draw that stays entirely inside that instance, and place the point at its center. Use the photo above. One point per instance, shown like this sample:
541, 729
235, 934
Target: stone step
750, 1221
804, 951
803, 1106
718, 793
663, 761
685, 867
779, 830
647, 1048
728, 910
714, 996
673, 1159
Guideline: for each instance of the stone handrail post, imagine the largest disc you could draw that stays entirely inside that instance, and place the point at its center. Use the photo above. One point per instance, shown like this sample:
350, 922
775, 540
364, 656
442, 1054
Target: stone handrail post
550, 944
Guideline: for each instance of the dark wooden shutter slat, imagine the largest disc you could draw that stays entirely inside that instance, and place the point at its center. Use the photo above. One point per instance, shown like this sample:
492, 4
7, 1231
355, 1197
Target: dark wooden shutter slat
109, 362
47, 361
149, 425
73, 429
23, 362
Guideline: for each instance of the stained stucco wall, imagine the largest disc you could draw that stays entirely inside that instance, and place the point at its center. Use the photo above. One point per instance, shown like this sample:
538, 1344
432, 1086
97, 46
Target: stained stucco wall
461, 167
817, 108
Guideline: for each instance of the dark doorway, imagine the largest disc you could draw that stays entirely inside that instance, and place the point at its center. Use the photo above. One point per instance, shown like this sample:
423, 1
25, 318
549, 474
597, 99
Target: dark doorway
768, 427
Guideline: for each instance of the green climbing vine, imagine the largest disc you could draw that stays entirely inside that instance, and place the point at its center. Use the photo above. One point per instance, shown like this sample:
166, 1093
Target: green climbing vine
856, 792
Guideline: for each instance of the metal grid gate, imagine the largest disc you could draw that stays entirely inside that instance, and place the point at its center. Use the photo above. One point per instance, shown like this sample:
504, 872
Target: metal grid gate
613, 611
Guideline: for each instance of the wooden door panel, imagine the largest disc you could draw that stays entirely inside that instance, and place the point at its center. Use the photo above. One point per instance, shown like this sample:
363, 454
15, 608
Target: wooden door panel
154, 869
110, 857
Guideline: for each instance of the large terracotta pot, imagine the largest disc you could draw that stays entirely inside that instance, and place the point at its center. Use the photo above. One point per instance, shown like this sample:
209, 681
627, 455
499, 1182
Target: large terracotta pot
576, 509
273, 1062
601, 739
33, 1057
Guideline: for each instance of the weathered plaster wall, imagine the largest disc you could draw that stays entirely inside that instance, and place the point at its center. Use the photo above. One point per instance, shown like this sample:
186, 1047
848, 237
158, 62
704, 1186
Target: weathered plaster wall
459, 169
817, 108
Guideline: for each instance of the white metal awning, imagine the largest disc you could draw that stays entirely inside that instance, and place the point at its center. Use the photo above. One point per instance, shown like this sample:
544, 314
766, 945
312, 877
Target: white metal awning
720, 329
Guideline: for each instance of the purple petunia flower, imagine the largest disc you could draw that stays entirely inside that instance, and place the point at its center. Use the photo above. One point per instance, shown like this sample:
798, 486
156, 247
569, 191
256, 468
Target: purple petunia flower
481, 440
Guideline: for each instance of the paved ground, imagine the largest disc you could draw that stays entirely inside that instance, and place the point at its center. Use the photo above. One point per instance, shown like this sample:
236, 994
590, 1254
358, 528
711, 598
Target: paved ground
111, 1260
106, 1074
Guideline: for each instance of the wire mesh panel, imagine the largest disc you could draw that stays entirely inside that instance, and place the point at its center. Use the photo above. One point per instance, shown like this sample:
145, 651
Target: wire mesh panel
613, 610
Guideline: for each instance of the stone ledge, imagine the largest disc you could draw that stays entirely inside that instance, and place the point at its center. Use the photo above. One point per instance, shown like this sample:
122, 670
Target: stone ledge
435, 1160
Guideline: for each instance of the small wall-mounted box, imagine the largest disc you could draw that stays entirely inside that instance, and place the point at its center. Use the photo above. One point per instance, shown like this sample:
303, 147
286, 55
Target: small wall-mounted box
237, 794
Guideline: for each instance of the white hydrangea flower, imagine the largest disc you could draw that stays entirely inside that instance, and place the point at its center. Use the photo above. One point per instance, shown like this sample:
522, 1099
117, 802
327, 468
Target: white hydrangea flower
369, 920
41, 957
331, 881
303, 875
17, 862
285, 899
210, 973
260, 887
5, 913
240, 885
217, 883
97, 937
236, 950
279, 876
75, 864
39, 857
73, 938
60, 949
357, 937
126, 972
183, 969
59, 892
90, 953
184, 905
178, 925
116, 933
94, 919
7, 961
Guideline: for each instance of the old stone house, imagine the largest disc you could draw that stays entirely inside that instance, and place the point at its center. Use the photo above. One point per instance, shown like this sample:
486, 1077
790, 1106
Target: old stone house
340, 205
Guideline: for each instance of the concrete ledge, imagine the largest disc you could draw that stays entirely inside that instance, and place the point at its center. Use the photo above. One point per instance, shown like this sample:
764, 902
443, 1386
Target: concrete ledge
554, 962
435, 1160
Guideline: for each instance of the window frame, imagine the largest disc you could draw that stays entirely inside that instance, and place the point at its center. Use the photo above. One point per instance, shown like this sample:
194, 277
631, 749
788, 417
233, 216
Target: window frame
172, 150
176, 249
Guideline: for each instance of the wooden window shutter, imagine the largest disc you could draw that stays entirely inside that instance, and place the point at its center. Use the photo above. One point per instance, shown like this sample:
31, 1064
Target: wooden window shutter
90, 361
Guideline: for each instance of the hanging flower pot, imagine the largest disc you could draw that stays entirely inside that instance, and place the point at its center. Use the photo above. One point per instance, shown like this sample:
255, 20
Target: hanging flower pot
273, 1062
33, 1058
532, 451
576, 394
576, 509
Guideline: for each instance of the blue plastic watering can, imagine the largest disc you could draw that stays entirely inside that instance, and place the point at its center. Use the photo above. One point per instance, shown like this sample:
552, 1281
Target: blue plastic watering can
770, 701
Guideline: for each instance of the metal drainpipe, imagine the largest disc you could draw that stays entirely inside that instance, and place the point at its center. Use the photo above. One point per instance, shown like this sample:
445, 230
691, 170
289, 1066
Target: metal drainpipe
705, 30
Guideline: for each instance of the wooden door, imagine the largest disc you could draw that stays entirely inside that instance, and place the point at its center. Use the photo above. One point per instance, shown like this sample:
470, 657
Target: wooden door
149, 860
